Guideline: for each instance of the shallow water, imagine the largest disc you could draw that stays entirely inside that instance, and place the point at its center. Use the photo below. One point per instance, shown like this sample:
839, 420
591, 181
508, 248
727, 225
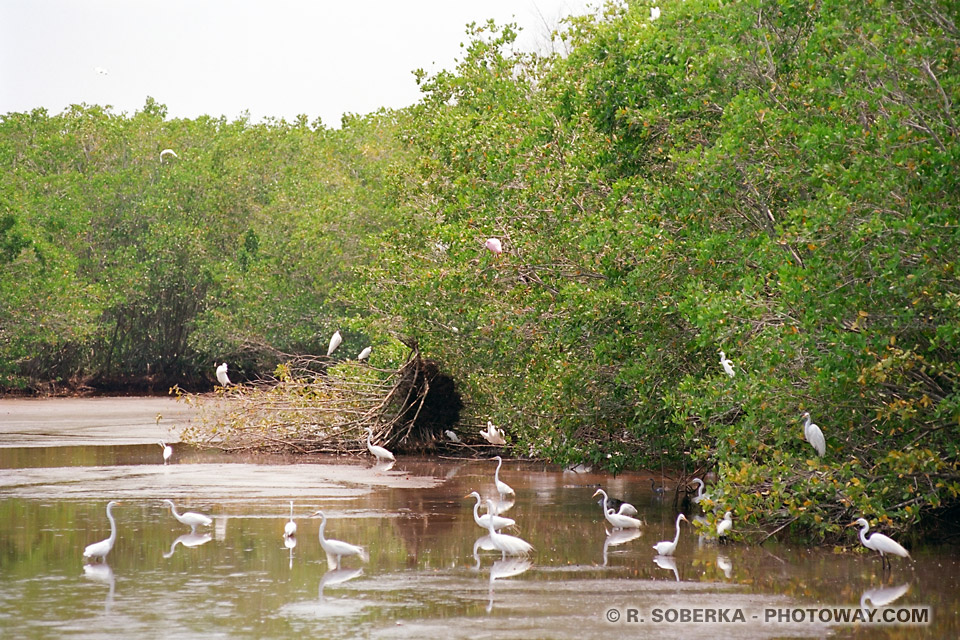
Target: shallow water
237, 578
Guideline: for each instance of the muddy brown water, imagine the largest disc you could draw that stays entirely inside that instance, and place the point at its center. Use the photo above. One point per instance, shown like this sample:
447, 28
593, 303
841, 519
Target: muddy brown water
427, 575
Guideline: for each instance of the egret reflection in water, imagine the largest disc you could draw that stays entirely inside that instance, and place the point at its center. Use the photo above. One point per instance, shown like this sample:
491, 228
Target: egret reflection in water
505, 569
485, 543
668, 563
883, 596
337, 576
725, 565
101, 572
290, 542
189, 540
617, 537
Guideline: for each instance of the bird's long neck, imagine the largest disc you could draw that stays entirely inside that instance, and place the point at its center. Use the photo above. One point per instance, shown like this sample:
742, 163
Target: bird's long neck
490, 528
323, 523
496, 474
476, 510
699, 494
173, 509
863, 533
604, 494
113, 524
676, 537
291, 510
806, 422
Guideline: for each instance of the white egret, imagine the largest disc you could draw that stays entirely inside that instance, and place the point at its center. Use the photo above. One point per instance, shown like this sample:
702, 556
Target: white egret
506, 544
335, 341
724, 526
727, 364
494, 245
337, 549
492, 435
381, 454
654, 13
617, 520
814, 435
167, 451
290, 529
102, 548
168, 152
667, 547
618, 506
222, 375
701, 496
502, 487
189, 540
365, 354
499, 522
189, 518
879, 543
451, 436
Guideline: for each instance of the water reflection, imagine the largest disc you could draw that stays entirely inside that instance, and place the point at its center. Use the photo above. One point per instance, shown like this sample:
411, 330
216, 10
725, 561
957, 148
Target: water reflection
883, 596
103, 574
725, 565
337, 576
505, 569
290, 542
617, 537
668, 563
383, 466
189, 540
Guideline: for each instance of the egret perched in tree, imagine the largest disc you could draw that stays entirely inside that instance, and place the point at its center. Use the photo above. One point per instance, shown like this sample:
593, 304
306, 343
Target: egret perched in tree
102, 548
337, 549
190, 518
666, 548
494, 245
727, 364
724, 526
222, 377
290, 529
499, 522
879, 543
380, 453
617, 520
167, 451
365, 354
492, 435
502, 487
506, 544
168, 152
335, 340
814, 435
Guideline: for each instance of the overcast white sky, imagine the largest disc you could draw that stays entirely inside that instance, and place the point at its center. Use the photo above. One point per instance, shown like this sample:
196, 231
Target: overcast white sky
272, 58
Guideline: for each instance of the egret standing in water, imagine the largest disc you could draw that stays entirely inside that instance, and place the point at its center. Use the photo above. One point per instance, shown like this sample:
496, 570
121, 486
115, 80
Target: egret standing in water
879, 543
727, 364
701, 496
335, 340
724, 526
337, 549
222, 377
102, 548
617, 520
667, 547
506, 544
167, 451
290, 529
381, 454
189, 518
618, 506
499, 522
814, 435
502, 487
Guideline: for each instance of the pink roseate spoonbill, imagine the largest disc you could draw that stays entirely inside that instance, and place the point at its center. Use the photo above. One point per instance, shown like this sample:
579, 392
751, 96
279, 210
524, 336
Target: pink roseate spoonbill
494, 245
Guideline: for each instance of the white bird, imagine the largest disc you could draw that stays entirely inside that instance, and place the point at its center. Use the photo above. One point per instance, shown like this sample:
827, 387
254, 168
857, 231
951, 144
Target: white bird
167, 451
451, 436
654, 13
365, 353
701, 496
727, 364
494, 245
724, 526
617, 520
189, 518
380, 453
880, 543
336, 576
492, 435
666, 547
290, 529
502, 487
617, 537
882, 596
337, 549
101, 71
168, 152
668, 563
189, 540
814, 435
724, 564
499, 522
506, 544
222, 374
102, 548
335, 340
618, 506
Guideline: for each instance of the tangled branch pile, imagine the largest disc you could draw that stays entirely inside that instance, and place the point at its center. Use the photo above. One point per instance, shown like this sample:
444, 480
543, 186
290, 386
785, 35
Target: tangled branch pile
311, 406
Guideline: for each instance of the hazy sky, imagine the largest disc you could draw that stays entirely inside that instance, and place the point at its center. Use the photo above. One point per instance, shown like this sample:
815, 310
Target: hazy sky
274, 58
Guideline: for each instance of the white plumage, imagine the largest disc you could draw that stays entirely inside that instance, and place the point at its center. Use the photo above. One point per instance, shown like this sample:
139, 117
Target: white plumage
727, 364
617, 520
814, 435
701, 496
189, 518
335, 341
337, 549
502, 487
167, 451
290, 529
724, 526
451, 436
102, 548
499, 522
506, 544
380, 453
880, 543
168, 152
492, 435
365, 353
667, 547
654, 13
222, 377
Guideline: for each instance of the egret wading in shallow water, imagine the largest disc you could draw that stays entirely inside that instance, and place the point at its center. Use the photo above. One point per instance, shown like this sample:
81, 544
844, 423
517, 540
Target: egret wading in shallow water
879, 543
617, 520
667, 547
618, 506
190, 518
167, 451
813, 434
337, 549
727, 364
335, 340
102, 548
724, 526
499, 522
381, 454
222, 377
507, 545
701, 496
290, 529
502, 487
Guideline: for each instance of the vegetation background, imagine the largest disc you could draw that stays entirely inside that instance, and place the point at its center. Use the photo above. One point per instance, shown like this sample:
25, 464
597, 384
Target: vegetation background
775, 179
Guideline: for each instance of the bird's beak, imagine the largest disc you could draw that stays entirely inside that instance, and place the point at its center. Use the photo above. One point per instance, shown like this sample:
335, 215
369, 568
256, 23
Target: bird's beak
596, 493
852, 524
